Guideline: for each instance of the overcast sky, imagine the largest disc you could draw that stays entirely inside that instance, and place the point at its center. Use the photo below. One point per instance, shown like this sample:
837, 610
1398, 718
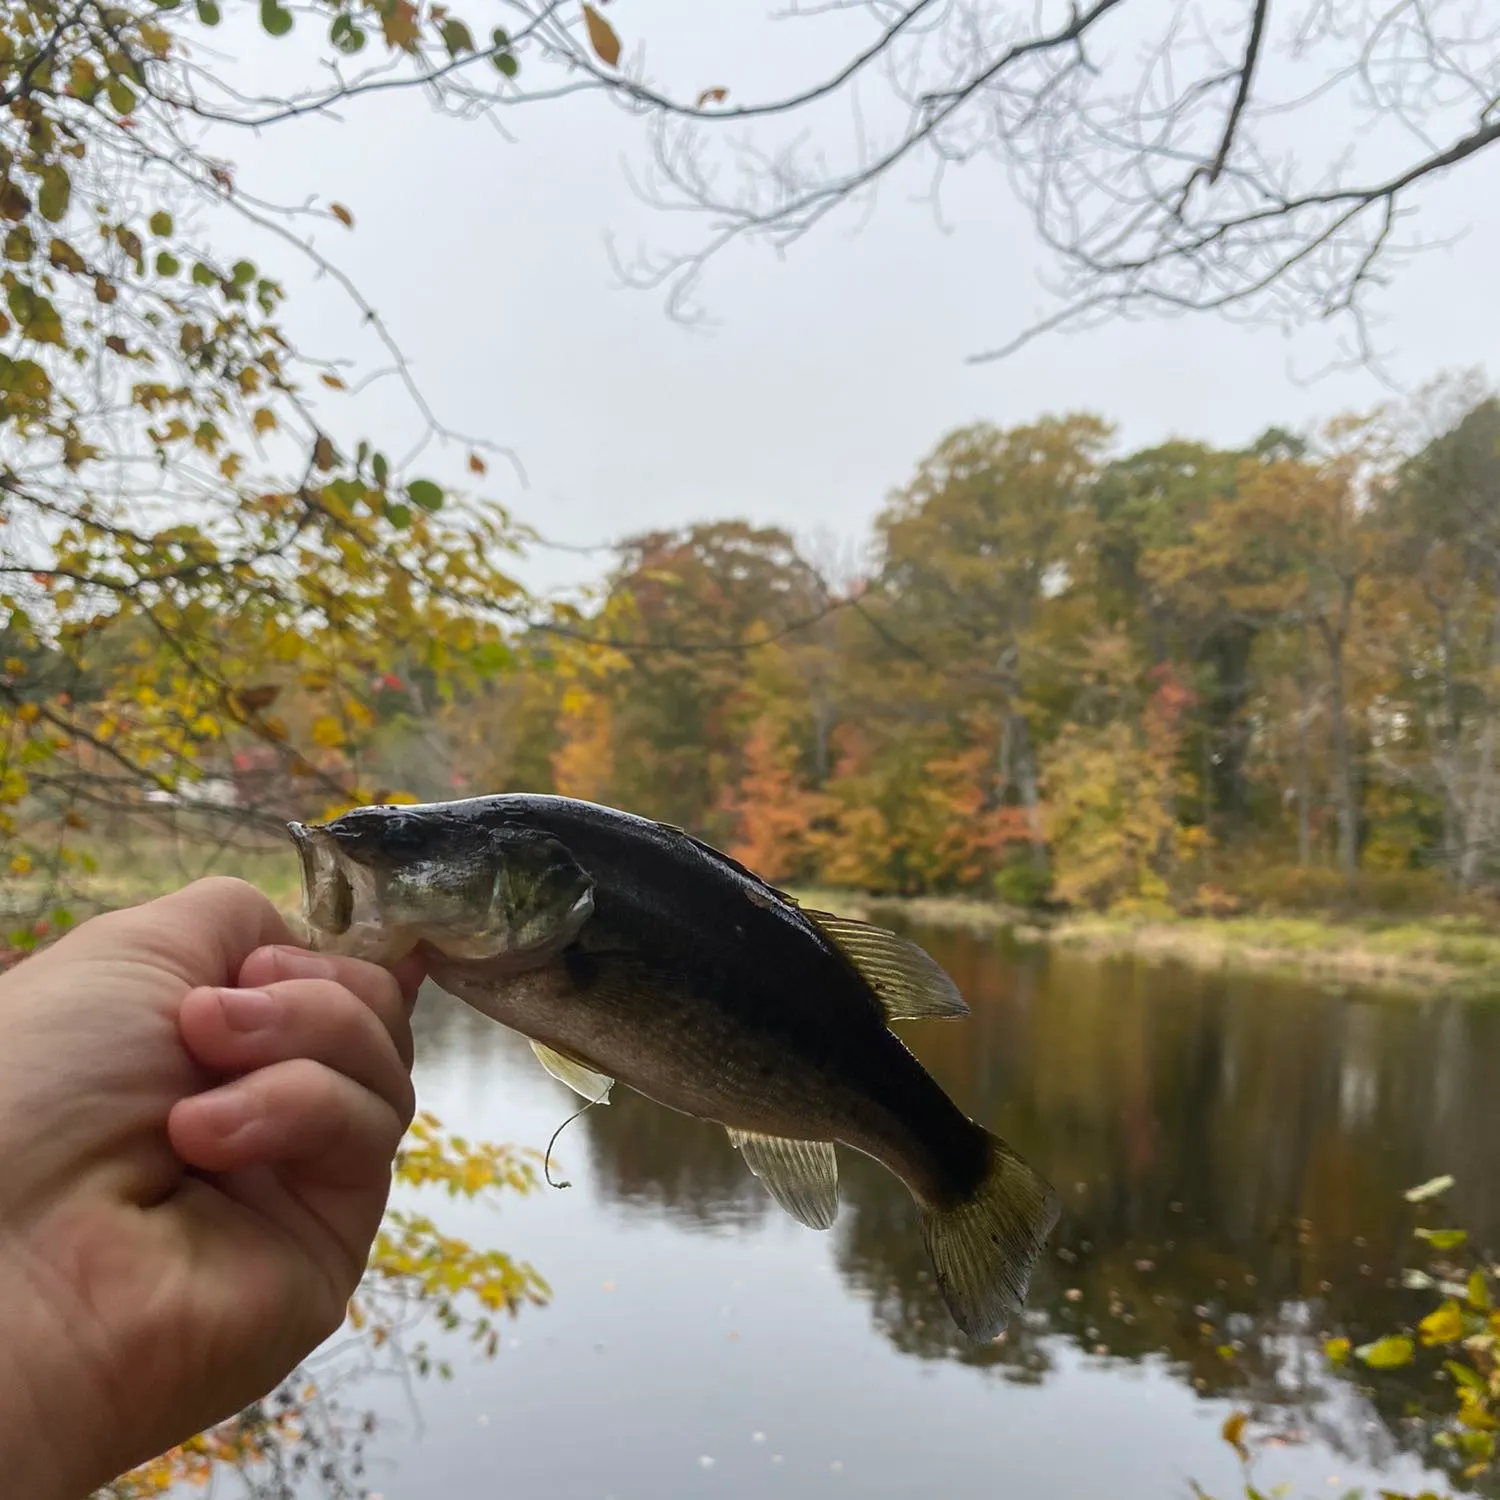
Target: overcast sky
828, 373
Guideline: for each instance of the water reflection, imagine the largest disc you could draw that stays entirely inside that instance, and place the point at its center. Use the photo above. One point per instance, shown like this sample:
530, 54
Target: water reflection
1231, 1153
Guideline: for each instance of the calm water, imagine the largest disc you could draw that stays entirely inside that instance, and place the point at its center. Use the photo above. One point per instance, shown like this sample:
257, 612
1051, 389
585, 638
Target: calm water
1231, 1154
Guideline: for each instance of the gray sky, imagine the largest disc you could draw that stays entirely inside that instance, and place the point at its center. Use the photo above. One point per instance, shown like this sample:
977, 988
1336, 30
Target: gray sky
828, 373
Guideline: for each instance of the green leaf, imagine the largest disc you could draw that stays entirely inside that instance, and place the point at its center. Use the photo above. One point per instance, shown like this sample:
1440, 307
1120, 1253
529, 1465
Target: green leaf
35, 316
19, 245
456, 36
167, 264
426, 494
1434, 1187
1478, 1291
380, 467
242, 272
274, 19
56, 190
1443, 1239
121, 95
204, 275
161, 222
208, 12
346, 36
1389, 1353
398, 515
502, 57
1464, 1375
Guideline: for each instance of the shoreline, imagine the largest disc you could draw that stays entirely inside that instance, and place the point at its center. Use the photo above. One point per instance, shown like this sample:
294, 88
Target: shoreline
1459, 956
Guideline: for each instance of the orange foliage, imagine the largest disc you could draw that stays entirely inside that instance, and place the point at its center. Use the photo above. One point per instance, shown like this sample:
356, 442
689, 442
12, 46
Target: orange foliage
773, 813
583, 764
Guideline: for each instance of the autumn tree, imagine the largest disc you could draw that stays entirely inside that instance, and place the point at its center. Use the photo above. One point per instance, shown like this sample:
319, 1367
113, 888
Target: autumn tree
977, 550
1445, 514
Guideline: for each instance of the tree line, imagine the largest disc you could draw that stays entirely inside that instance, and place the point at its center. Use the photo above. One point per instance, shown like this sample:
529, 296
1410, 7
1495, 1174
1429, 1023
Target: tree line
1184, 674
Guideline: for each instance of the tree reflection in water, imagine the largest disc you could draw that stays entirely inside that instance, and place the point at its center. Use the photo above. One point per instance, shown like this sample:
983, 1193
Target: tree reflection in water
1231, 1153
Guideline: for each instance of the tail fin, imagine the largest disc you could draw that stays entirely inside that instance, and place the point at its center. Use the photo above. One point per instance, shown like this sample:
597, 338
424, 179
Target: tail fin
985, 1249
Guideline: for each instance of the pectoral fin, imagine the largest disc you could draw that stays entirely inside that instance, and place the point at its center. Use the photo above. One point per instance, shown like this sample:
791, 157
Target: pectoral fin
593, 1086
802, 1176
909, 983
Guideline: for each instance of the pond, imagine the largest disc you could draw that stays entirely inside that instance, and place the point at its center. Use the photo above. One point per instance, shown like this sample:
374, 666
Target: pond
1231, 1153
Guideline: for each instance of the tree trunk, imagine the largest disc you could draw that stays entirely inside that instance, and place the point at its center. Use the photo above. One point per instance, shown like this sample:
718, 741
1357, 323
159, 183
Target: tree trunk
1343, 770
1304, 773
1477, 829
1018, 770
1448, 748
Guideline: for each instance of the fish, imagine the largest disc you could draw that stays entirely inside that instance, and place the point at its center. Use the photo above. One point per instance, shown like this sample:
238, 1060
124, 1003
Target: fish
630, 952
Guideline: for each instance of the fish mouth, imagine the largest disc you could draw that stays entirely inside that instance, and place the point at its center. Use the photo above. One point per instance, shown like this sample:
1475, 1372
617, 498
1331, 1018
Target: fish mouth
327, 895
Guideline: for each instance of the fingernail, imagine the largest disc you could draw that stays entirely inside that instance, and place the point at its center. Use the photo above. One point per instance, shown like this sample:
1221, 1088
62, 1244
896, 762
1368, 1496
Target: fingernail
247, 1010
228, 1113
298, 963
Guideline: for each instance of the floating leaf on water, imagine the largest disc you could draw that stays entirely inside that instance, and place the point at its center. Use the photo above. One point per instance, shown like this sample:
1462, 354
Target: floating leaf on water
1337, 1350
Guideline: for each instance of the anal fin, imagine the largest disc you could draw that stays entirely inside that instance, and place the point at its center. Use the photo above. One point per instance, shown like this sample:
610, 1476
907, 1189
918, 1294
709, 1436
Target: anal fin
802, 1176
593, 1086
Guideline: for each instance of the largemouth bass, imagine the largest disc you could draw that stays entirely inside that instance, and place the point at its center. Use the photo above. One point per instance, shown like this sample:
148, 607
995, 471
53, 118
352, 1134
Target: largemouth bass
628, 951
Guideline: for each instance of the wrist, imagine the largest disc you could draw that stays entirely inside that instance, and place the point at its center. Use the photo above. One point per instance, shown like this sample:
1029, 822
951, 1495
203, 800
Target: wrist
30, 1435
43, 1433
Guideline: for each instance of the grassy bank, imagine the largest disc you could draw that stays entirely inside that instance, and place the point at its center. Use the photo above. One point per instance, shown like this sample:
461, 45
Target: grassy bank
1454, 953
1460, 954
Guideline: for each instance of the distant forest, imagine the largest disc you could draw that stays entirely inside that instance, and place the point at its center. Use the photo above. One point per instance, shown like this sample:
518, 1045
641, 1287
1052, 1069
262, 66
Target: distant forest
1186, 675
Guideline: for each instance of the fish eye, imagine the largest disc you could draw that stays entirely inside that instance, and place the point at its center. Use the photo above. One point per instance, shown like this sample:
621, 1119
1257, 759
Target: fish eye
402, 835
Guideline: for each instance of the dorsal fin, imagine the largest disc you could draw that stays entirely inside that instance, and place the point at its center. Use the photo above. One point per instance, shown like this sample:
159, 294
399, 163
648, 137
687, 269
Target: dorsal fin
909, 983
802, 1176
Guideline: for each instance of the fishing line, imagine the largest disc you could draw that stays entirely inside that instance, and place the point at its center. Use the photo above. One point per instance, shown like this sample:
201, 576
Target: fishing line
547, 1159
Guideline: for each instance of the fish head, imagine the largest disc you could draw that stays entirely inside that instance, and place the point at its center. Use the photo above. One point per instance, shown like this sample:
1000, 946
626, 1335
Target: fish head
378, 881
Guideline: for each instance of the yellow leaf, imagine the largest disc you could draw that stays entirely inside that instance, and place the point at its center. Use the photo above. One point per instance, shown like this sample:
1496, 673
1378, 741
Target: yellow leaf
20, 864
1444, 1325
712, 96
602, 36
327, 732
1389, 1353
342, 214
264, 420
476, 464
1337, 1350
323, 455
333, 382
1233, 1429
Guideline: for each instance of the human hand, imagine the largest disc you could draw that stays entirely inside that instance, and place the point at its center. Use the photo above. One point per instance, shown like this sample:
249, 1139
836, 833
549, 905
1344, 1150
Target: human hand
190, 1177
